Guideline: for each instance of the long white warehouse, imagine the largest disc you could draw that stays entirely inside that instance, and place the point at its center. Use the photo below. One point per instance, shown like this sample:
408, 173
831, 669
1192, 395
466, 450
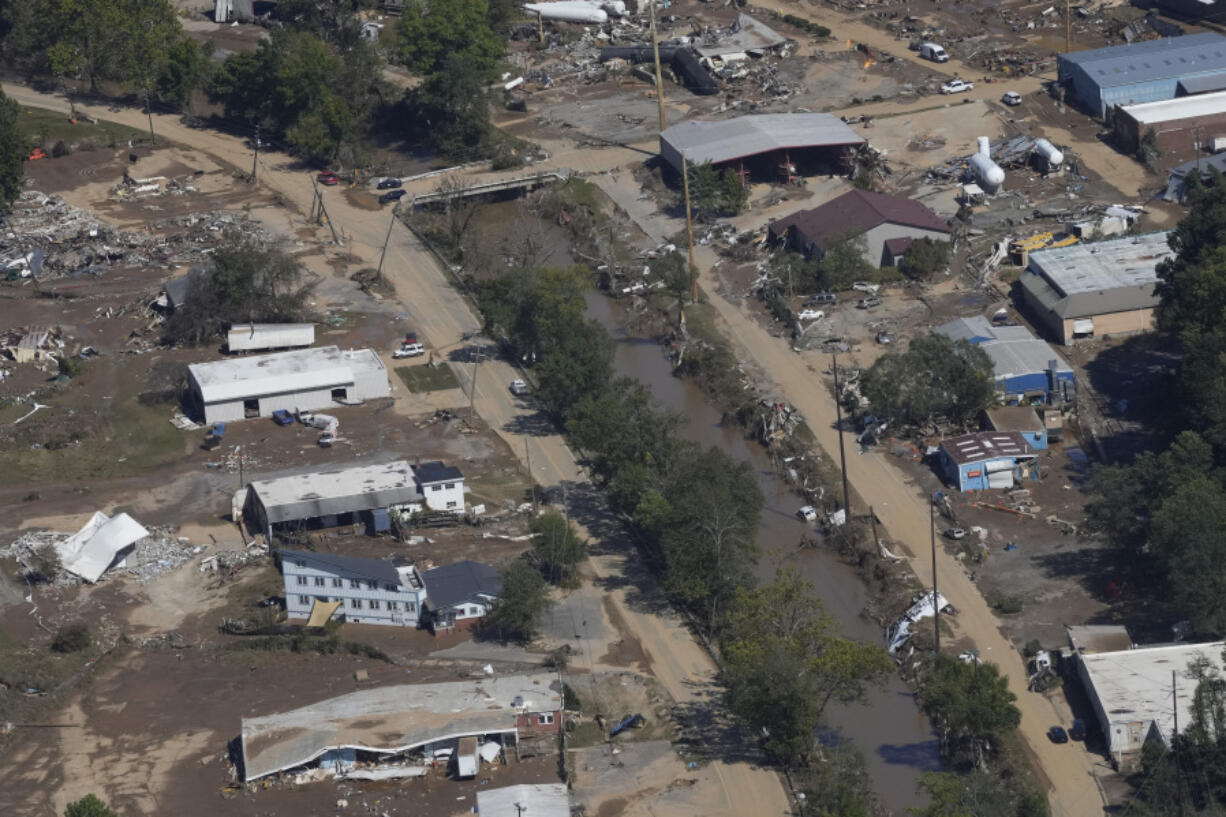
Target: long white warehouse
260, 337
306, 379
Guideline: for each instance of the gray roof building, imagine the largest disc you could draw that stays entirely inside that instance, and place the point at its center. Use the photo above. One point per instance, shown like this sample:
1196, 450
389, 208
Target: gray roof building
1020, 361
337, 491
1096, 278
348, 566
460, 583
747, 136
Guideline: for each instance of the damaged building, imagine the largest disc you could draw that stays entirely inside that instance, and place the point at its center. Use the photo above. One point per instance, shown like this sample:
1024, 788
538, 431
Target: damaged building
985, 460
1026, 369
399, 729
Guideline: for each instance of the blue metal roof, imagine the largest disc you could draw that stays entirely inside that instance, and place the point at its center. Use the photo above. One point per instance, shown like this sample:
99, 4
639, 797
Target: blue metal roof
1153, 59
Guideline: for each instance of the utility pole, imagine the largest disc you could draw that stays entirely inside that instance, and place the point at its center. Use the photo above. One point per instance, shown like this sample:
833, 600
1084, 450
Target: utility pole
872, 518
1174, 735
149, 112
655, 47
936, 604
472, 389
838, 414
388, 238
256, 156
540, 27
689, 222
531, 481
1068, 28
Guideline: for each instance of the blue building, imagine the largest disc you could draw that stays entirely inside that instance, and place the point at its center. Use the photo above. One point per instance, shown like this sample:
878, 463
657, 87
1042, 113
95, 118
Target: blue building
1022, 419
986, 460
1147, 71
1027, 370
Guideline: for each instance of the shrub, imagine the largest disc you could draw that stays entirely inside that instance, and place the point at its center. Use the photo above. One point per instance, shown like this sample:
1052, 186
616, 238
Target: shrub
72, 638
60, 149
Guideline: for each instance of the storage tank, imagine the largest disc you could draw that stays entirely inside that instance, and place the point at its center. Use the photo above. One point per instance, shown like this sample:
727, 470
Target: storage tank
615, 8
569, 12
985, 146
1049, 153
986, 171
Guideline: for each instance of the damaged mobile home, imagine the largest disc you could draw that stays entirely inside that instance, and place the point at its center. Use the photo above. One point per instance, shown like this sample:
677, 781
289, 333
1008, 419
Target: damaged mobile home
401, 727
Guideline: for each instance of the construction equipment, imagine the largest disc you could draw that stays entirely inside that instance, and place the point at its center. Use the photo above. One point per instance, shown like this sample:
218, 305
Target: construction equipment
1067, 241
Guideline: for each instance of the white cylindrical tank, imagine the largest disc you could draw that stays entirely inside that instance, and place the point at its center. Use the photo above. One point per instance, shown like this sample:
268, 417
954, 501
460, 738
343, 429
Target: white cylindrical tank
989, 174
1050, 153
985, 146
569, 12
616, 8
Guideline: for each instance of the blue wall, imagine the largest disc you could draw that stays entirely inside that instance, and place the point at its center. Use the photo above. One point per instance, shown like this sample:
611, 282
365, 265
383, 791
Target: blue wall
1100, 100
960, 475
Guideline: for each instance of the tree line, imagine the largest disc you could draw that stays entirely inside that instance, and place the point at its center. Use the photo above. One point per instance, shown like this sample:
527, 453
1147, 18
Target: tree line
1166, 510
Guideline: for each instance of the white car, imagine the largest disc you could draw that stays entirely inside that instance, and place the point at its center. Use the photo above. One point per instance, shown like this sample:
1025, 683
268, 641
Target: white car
1011, 98
808, 513
519, 388
811, 315
409, 350
956, 86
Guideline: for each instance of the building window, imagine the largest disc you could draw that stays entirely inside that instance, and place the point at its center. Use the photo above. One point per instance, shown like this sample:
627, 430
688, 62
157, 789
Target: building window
451, 504
319, 581
355, 584
356, 604
304, 599
372, 585
392, 605
410, 606
338, 582
474, 611
544, 719
391, 588
450, 486
302, 580
374, 604
300, 562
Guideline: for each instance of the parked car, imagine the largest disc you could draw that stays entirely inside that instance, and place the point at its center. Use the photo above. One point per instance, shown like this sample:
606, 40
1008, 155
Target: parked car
390, 196
409, 350
519, 388
1057, 735
282, 417
866, 287
810, 315
326, 439
957, 86
883, 337
955, 533
387, 184
1011, 98
808, 513
329, 178
1078, 730
821, 298
934, 52
410, 337
868, 303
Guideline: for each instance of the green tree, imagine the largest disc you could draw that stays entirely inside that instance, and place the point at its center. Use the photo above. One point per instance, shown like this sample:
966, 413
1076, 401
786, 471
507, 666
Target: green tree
924, 258
785, 662
708, 537
454, 106
976, 794
622, 428
13, 151
72, 638
1186, 534
714, 193
843, 262
970, 705
516, 613
435, 38
678, 276
47, 562
187, 68
557, 546
89, 806
935, 376
579, 362
838, 786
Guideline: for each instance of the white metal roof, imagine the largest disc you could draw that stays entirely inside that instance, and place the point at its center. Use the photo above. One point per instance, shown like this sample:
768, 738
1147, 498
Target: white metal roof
393, 719
1184, 107
729, 139
340, 490
1135, 685
90, 551
1103, 265
247, 336
525, 800
241, 378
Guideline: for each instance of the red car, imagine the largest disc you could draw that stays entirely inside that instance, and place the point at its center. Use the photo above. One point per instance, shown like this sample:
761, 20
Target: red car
329, 178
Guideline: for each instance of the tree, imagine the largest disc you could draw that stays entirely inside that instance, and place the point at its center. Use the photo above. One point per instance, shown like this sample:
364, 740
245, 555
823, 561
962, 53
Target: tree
72, 638
89, 806
839, 786
976, 794
714, 193
245, 282
970, 705
434, 38
621, 428
1186, 536
678, 276
935, 376
557, 547
581, 363
453, 105
523, 600
708, 537
187, 68
925, 257
843, 262
785, 662
13, 151
47, 562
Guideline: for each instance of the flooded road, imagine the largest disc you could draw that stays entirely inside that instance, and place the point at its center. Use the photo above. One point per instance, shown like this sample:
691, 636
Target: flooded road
896, 739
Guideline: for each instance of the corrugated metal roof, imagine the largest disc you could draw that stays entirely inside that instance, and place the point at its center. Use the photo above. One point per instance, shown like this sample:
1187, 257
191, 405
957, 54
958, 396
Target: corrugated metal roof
1097, 278
1184, 107
343, 490
855, 212
457, 583
1165, 58
748, 34
701, 141
241, 378
1014, 418
525, 800
1203, 85
986, 445
247, 336
89, 552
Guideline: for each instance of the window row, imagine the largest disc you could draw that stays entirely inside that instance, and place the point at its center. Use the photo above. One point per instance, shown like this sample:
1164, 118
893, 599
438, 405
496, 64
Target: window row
354, 584
370, 604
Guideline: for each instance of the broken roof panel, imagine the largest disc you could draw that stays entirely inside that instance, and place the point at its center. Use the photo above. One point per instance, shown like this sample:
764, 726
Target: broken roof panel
703, 141
91, 551
394, 719
747, 35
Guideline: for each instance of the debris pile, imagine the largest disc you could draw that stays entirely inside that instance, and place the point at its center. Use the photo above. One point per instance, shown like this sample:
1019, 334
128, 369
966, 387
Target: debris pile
159, 552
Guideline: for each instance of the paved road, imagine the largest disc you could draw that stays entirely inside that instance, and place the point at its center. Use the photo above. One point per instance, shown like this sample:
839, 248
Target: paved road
442, 316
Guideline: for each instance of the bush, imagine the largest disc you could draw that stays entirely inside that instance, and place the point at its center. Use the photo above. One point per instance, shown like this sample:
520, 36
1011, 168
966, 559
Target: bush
1033, 647
60, 149
72, 638
47, 562
1003, 603
69, 366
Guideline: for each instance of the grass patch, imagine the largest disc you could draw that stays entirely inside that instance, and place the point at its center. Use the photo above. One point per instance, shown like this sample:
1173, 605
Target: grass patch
428, 377
584, 735
302, 643
44, 128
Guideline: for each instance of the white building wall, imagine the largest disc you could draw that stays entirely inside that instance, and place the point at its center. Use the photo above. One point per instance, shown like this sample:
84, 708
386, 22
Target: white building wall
369, 375
303, 586
444, 496
233, 411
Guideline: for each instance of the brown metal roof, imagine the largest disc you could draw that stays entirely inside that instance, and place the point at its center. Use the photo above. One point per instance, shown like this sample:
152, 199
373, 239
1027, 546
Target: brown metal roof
856, 212
986, 445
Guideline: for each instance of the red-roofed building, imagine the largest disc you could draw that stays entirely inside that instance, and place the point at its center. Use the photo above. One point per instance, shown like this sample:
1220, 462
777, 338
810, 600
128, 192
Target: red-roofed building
888, 224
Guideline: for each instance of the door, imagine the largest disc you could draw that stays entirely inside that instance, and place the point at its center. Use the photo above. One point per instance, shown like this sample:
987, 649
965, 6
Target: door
251, 408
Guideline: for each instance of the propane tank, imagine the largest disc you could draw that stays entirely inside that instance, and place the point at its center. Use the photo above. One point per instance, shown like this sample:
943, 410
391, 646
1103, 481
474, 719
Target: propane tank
1050, 153
989, 174
985, 146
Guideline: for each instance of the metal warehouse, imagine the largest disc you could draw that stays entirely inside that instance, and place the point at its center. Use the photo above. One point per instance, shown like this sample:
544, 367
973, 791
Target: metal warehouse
1096, 289
251, 337
767, 142
1026, 369
1148, 71
1177, 124
985, 460
306, 379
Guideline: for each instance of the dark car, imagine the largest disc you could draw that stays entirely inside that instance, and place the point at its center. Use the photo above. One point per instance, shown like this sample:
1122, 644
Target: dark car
329, 178
1078, 730
388, 184
1057, 734
282, 417
410, 338
821, 298
391, 195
